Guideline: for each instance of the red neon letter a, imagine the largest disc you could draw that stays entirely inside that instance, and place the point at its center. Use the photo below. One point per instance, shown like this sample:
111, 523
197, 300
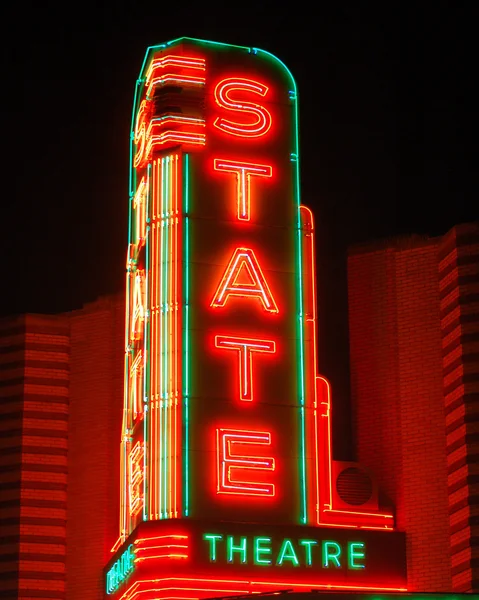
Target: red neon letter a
244, 259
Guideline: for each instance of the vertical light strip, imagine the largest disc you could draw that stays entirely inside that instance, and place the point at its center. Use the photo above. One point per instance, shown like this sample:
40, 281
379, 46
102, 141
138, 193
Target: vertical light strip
165, 373
168, 334
186, 341
170, 329
146, 374
177, 317
159, 329
152, 356
300, 301
164, 390
145, 371
160, 339
293, 96
124, 430
166, 162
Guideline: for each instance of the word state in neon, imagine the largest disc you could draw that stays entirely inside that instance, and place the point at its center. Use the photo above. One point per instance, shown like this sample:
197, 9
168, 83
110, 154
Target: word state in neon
238, 463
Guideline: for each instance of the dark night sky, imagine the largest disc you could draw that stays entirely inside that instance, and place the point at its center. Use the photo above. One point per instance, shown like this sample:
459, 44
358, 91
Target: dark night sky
385, 119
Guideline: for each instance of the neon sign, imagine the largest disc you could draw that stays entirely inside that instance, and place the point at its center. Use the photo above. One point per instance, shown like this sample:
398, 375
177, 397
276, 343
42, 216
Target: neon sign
121, 570
309, 553
226, 418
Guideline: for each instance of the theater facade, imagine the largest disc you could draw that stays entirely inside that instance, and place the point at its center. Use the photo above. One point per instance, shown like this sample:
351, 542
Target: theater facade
227, 483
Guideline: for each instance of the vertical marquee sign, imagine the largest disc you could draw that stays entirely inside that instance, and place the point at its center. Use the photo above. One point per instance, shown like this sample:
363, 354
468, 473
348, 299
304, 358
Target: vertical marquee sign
225, 419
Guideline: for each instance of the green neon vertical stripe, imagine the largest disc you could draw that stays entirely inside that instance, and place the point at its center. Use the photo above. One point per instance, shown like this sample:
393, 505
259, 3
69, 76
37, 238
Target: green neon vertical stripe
186, 246
126, 399
164, 176
162, 337
299, 283
146, 379
304, 508
186, 341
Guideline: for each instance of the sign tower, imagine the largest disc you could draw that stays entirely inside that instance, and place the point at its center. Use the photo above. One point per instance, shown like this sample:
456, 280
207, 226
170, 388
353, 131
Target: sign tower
227, 480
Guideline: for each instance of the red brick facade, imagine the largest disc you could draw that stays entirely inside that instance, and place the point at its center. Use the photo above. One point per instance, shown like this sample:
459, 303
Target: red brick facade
96, 406
413, 309
61, 398
414, 326
459, 304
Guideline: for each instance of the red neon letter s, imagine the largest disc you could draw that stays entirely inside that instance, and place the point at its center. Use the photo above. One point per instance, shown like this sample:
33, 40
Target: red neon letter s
228, 461
261, 123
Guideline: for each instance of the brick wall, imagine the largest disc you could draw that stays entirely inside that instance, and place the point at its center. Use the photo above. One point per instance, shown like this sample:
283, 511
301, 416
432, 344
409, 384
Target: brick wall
459, 303
396, 379
12, 352
96, 403
34, 405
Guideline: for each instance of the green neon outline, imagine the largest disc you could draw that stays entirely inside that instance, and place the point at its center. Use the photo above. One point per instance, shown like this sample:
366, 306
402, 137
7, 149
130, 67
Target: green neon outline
124, 517
308, 544
353, 555
212, 538
334, 557
146, 380
293, 94
242, 549
186, 340
126, 390
257, 551
291, 555
204, 42
164, 216
303, 517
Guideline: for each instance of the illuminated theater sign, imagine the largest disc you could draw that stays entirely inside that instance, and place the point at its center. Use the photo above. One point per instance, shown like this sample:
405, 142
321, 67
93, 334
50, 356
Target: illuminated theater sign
227, 480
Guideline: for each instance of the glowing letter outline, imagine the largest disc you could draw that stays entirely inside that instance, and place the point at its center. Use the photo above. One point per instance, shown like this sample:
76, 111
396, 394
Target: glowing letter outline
135, 463
245, 348
228, 461
138, 308
136, 386
263, 116
244, 258
139, 205
150, 133
244, 172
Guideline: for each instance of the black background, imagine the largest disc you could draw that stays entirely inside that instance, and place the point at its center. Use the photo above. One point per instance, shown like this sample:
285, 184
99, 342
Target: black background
385, 116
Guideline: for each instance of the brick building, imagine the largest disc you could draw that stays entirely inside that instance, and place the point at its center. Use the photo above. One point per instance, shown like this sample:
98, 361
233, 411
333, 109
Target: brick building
414, 323
414, 344
34, 402
61, 387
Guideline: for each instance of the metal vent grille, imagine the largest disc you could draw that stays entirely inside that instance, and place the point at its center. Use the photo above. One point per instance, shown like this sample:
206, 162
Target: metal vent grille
180, 100
354, 486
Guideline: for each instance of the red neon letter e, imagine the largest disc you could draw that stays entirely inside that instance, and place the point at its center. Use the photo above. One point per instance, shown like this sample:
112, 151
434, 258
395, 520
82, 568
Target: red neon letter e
261, 123
228, 461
